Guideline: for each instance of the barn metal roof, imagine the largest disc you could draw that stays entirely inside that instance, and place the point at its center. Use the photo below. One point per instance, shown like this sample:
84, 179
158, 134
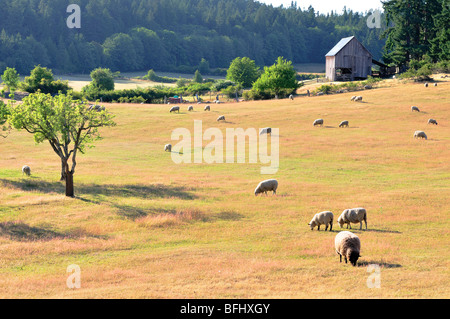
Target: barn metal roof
339, 46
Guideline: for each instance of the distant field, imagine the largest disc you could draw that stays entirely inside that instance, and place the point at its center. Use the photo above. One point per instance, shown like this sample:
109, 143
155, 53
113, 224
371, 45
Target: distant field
310, 67
144, 227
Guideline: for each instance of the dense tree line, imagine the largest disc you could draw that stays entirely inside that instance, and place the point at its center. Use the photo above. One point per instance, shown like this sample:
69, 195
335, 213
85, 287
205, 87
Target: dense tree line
170, 34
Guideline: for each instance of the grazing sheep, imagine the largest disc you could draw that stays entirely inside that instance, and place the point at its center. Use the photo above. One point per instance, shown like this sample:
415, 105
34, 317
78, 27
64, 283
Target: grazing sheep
267, 130
353, 98
343, 123
414, 108
190, 108
221, 118
267, 186
217, 102
323, 218
367, 87
354, 215
175, 109
97, 108
358, 98
26, 170
432, 121
207, 108
420, 134
319, 94
168, 148
435, 84
318, 122
426, 85
348, 245
291, 97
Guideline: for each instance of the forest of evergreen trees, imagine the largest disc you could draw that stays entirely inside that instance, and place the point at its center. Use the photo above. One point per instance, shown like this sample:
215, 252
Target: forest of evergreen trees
170, 35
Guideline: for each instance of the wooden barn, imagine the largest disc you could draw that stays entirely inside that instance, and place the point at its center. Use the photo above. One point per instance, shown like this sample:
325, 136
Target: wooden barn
349, 60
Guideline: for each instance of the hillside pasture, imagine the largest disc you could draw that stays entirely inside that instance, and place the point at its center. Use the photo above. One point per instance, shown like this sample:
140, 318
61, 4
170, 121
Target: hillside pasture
143, 227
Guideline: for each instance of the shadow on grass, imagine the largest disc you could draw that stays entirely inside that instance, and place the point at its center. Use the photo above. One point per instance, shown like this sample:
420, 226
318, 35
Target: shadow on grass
20, 231
137, 191
381, 264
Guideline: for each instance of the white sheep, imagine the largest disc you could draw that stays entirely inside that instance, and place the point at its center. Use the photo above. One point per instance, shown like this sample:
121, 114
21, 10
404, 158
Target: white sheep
190, 108
420, 134
291, 97
221, 118
323, 218
426, 85
353, 215
414, 109
358, 98
207, 108
266, 130
168, 148
175, 109
348, 245
353, 98
432, 121
343, 123
26, 170
267, 186
435, 84
318, 122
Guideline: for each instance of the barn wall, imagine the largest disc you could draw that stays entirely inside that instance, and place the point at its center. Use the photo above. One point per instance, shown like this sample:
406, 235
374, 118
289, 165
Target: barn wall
330, 68
356, 57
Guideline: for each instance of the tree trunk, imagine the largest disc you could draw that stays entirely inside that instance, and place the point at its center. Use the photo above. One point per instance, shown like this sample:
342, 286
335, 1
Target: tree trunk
69, 184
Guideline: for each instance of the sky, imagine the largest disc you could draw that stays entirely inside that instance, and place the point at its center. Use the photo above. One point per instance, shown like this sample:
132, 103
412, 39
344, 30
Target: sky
326, 6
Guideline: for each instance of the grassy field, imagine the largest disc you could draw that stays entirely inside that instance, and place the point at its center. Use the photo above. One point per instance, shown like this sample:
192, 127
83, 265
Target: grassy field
143, 227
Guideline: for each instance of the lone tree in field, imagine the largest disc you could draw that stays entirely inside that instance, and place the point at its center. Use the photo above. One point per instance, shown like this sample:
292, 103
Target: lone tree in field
11, 78
243, 71
70, 126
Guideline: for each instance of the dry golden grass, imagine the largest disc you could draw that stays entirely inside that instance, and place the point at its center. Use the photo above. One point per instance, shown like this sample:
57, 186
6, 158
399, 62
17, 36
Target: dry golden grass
143, 227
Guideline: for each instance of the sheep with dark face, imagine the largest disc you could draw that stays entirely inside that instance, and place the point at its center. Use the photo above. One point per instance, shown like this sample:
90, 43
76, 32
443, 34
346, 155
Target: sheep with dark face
26, 170
347, 245
221, 118
190, 108
343, 124
432, 121
267, 186
266, 130
168, 148
175, 109
414, 109
207, 108
291, 97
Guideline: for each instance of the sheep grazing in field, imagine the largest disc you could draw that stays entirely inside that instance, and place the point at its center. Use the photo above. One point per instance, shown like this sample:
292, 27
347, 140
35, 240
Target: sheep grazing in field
353, 98
267, 186
207, 108
323, 218
217, 102
266, 130
26, 170
291, 97
414, 109
367, 87
348, 245
168, 148
221, 118
175, 109
432, 121
97, 108
354, 215
319, 94
420, 134
343, 124
190, 108
426, 85
358, 99
318, 122
435, 84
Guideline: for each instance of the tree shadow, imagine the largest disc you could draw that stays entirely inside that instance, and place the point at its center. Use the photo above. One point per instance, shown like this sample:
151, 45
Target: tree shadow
20, 231
137, 191
228, 215
384, 231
